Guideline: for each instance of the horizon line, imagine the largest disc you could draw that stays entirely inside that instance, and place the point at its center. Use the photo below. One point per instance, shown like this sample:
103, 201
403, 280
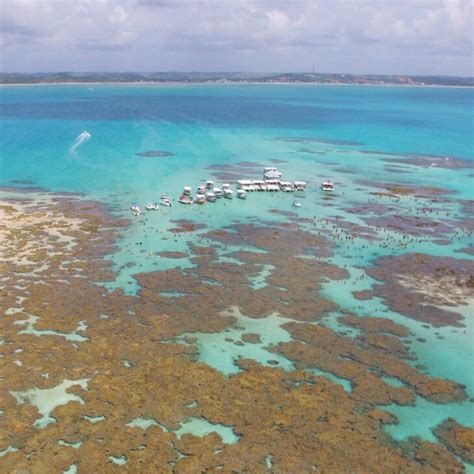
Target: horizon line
236, 72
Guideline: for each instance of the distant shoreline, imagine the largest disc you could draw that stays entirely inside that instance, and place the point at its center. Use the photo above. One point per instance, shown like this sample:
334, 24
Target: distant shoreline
228, 82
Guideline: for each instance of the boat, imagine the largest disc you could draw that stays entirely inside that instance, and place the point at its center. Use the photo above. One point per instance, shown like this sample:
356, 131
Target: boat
211, 197
187, 191
273, 186
296, 204
286, 186
228, 193
165, 200
245, 184
271, 173
156, 206
135, 209
185, 199
259, 185
300, 185
218, 192
150, 206
133, 206
241, 194
209, 184
327, 185
201, 189
200, 199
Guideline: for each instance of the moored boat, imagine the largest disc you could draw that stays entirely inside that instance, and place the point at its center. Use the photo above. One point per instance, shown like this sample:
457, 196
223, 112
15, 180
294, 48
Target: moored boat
286, 186
200, 199
165, 200
209, 184
135, 209
218, 192
300, 185
241, 194
150, 206
185, 199
187, 191
327, 185
271, 173
228, 193
211, 197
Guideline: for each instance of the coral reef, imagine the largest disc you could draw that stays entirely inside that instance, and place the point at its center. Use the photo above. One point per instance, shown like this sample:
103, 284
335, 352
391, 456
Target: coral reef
125, 382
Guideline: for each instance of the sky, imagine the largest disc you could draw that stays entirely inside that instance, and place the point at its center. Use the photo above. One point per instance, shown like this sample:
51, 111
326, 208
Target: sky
432, 37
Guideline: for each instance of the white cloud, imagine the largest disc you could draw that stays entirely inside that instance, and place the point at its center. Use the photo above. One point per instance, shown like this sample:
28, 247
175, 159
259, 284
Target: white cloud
412, 36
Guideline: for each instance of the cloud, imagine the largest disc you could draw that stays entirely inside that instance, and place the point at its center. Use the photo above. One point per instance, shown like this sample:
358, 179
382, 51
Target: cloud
412, 36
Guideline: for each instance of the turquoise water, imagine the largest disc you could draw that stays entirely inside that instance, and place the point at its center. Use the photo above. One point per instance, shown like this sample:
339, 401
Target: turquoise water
205, 125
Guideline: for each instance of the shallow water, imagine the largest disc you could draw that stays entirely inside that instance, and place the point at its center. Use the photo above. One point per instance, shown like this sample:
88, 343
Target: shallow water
326, 131
46, 400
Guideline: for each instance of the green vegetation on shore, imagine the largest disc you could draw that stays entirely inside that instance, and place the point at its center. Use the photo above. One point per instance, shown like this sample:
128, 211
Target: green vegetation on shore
203, 77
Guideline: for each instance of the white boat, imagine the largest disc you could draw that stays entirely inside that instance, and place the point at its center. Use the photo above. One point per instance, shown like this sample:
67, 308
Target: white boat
225, 186
296, 204
327, 185
228, 193
187, 191
209, 184
165, 200
185, 199
287, 187
150, 206
201, 189
300, 185
271, 173
245, 184
200, 199
156, 206
211, 197
259, 185
136, 210
218, 192
241, 194
273, 187
133, 206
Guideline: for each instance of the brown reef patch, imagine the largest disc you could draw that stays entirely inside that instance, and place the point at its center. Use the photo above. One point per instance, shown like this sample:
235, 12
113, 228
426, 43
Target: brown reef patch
186, 226
356, 360
372, 324
457, 438
155, 154
430, 161
411, 225
421, 286
168, 254
131, 368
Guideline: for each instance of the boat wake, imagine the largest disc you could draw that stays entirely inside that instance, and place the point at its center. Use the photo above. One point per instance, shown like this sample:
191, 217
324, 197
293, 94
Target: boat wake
80, 139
